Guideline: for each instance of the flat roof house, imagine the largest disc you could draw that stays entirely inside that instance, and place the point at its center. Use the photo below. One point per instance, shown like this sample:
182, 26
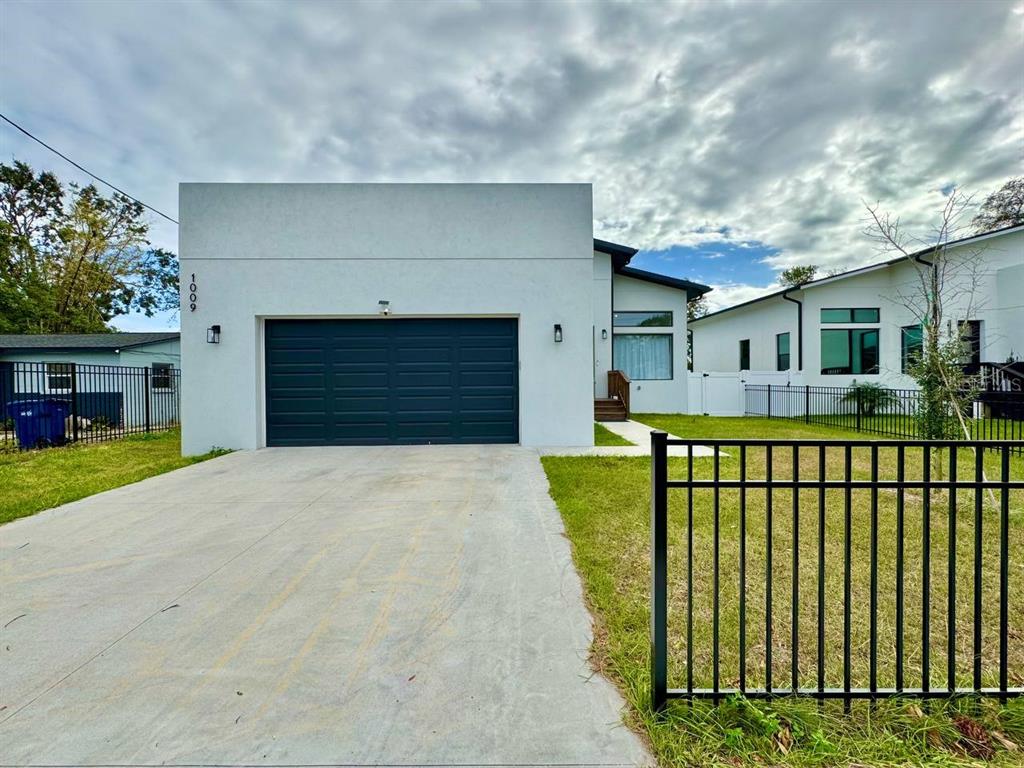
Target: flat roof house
349, 314
862, 325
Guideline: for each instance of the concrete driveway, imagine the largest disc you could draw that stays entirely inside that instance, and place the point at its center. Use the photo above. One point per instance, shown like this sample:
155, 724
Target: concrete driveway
303, 606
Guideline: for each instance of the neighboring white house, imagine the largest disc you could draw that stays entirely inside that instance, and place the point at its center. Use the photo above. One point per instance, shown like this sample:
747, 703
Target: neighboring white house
108, 373
857, 326
317, 314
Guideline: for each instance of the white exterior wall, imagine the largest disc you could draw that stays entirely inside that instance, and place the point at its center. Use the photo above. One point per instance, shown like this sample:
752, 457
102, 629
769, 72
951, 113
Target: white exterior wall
602, 322
650, 396
262, 251
996, 299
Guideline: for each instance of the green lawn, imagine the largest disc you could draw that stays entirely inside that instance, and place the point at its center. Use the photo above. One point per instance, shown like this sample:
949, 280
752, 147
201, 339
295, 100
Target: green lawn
36, 480
604, 436
604, 499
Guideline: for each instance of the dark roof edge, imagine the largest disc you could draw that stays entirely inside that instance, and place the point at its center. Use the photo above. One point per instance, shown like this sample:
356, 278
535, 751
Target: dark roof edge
621, 254
867, 268
693, 290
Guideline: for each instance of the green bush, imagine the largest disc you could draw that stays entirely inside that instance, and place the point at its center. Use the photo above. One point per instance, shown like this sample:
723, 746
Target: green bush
872, 397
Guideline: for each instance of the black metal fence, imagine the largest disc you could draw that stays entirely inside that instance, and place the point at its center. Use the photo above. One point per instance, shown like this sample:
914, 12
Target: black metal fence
836, 569
44, 404
876, 411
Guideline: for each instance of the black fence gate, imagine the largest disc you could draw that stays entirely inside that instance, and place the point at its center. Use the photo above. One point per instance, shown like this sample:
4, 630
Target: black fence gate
836, 569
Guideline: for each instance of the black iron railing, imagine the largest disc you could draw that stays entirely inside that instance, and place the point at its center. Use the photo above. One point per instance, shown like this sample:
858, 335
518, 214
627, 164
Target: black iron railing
890, 412
825, 556
47, 404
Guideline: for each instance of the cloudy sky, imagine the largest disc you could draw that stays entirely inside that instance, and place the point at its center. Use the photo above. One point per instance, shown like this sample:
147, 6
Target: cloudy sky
726, 140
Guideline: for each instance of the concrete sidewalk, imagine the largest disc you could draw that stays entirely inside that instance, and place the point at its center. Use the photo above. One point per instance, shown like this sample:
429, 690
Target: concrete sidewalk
637, 433
357, 606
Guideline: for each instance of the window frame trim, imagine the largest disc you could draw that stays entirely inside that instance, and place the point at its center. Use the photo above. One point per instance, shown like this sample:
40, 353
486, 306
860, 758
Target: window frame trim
849, 346
68, 374
669, 312
168, 375
788, 353
851, 321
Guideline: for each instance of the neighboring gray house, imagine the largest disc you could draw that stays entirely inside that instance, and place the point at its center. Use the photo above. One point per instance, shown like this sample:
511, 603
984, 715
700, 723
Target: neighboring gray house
347, 314
110, 373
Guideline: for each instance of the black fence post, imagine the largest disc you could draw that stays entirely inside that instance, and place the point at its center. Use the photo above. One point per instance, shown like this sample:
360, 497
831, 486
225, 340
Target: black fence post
769, 401
74, 402
807, 404
659, 569
145, 384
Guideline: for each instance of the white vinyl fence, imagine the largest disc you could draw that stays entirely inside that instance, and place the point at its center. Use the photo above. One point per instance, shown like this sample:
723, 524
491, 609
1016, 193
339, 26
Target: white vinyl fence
722, 394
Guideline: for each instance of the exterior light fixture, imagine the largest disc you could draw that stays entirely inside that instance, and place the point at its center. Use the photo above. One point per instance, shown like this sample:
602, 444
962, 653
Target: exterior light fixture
384, 307
213, 334
604, 333
558, 333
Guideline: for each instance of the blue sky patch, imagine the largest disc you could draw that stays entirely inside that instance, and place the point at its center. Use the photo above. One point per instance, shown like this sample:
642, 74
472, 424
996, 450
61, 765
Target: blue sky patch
712, 263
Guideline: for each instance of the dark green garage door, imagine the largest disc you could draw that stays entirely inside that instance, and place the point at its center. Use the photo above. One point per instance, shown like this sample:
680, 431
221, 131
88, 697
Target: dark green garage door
360, 382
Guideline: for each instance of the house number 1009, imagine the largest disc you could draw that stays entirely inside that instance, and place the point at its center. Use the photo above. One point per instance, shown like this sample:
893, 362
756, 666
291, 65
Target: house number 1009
192, 294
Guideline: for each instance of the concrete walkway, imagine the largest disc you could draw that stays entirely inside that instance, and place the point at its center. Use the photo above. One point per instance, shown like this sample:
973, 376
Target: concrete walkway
357, 606
638, 434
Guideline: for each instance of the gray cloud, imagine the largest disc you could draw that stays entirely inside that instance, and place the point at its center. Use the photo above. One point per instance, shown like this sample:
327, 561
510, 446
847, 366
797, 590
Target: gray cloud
696, 123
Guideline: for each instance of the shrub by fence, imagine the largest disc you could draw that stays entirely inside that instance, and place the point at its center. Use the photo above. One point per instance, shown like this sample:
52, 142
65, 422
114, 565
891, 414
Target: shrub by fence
58, 403
879, 411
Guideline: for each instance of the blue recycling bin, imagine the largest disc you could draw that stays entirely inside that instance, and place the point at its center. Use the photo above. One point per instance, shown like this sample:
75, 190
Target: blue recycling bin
38, 423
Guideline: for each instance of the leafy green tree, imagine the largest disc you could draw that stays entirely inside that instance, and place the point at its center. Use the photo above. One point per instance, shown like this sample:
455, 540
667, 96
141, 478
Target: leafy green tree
794, 277
1003, 208
73, 259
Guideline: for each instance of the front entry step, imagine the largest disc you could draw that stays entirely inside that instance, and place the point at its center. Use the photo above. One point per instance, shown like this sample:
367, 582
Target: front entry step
609, 409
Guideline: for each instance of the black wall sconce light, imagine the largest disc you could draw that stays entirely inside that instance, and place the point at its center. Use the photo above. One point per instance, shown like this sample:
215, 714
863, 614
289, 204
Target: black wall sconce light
213, 334
604, 333
558, 333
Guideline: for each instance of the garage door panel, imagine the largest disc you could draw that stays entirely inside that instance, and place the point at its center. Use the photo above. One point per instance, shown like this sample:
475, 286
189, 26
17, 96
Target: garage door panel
391, 381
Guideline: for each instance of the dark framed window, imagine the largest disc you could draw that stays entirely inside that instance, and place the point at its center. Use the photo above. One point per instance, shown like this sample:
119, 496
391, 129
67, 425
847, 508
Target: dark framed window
970, 336
911, 345
58, 375
744, 354
849, 350
850, 315
782, 351
642, 319
644, 356
161, 376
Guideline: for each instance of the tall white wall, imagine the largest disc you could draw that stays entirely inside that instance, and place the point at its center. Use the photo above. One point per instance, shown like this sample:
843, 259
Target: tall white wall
656, 396
262, 251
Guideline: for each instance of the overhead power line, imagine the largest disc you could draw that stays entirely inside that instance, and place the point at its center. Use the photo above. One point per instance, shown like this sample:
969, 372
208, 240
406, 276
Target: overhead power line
87, 172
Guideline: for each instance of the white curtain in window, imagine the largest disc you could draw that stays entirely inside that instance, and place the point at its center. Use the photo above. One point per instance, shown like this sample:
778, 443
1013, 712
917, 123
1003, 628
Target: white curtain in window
644, 356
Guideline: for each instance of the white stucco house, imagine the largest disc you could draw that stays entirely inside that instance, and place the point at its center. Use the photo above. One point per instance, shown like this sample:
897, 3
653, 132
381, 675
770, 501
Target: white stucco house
319, 314
857, 326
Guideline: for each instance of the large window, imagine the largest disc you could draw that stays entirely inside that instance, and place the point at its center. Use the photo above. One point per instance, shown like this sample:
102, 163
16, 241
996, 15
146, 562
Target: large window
970, 335
911, 346
161, 375
859, 315
642, 319
58, 375
782, 352
744, 354
849, 350
644, 355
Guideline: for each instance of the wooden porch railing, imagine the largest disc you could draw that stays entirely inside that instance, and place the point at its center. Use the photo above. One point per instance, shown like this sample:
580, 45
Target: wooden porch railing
618, 387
